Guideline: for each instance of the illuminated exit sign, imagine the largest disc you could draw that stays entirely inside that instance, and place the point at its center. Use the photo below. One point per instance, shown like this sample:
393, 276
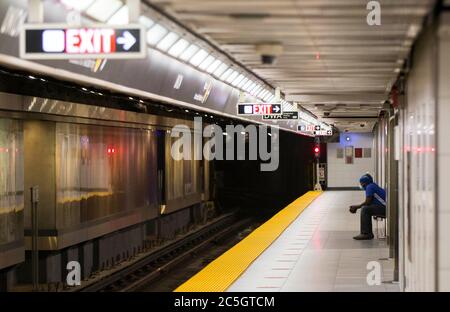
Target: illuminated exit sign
259, 109
66, 42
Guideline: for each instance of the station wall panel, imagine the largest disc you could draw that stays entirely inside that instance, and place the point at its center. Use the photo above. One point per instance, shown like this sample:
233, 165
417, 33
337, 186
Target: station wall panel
342, 174
443, 156
419, 161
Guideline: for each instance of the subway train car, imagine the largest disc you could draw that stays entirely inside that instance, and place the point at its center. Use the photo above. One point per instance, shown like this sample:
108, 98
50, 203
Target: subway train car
11, 193
99, 182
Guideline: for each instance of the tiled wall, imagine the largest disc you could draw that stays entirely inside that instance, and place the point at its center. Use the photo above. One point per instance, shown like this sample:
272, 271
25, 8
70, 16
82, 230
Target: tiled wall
341, 174
443, 157
418, 161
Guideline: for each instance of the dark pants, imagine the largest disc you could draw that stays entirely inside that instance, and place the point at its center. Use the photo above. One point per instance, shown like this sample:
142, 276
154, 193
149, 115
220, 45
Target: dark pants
367, 212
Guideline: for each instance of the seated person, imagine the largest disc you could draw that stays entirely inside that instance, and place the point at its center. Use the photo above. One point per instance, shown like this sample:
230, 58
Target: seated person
375, 204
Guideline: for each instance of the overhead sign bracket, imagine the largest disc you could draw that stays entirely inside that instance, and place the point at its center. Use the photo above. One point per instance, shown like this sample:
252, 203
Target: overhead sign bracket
277, 95
134, 10
35, 11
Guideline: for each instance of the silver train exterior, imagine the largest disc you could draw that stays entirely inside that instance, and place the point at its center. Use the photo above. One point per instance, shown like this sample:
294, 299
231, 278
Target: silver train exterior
97, 173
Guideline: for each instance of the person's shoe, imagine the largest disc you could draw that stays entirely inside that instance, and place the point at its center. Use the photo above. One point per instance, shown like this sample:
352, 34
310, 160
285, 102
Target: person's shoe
364, 237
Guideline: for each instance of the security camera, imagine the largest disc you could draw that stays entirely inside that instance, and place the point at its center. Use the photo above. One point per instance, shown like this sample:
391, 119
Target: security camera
269, 52
326, 114
362, 125
268, 59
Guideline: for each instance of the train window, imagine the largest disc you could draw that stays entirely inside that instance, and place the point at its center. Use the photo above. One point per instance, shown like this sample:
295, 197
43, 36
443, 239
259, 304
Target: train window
101, 171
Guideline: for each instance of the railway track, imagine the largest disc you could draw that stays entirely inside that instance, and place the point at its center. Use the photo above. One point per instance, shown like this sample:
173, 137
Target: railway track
155, 264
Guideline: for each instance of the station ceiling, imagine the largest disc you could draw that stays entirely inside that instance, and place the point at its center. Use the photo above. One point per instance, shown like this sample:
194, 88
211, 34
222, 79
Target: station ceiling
330, 60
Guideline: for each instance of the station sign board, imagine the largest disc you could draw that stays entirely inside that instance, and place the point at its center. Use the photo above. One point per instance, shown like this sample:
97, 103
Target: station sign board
259, 109
284, 116
50, 41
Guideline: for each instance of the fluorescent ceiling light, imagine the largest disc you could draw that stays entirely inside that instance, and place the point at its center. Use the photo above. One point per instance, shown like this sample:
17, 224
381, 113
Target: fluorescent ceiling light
232, 76
227, 74
258, 91
255, 89
242, 83
268, 97
155, 34
222, 68
79, 5
237, 80
199, 57
247, 84
178, 47
186, 55
147, 22
120, 17
102, 10
262, 93
167, 41
214, 66
208, 61
250, 86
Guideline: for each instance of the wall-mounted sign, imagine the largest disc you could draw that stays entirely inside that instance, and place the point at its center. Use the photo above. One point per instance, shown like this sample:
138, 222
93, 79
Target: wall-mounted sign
284, 116
49, 41
259, 109
349, 155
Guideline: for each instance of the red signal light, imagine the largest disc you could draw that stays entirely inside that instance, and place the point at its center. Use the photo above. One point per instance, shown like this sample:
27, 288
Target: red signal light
316, 150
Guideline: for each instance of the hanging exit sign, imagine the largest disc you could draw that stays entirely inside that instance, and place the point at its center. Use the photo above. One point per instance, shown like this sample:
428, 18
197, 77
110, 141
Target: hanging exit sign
49, 41
259, 109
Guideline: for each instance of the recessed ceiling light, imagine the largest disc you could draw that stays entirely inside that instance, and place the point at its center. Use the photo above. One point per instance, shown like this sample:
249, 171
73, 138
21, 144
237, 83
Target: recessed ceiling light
208, 61
219, 71
232, 76
199, 57
214, 66
147, 22
167, 41
120, 17
178, 47
102, 10
155, 34
227, 74
237, 80
186, 55
242, 83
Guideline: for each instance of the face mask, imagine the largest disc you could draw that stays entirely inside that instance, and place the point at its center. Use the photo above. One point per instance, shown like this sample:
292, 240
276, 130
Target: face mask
361, 187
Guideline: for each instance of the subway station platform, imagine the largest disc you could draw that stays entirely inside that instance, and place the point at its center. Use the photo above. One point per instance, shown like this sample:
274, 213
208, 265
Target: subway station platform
315, 252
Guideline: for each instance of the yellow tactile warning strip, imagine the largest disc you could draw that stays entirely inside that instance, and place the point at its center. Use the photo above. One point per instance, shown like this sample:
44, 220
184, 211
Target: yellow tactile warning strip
222, 272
